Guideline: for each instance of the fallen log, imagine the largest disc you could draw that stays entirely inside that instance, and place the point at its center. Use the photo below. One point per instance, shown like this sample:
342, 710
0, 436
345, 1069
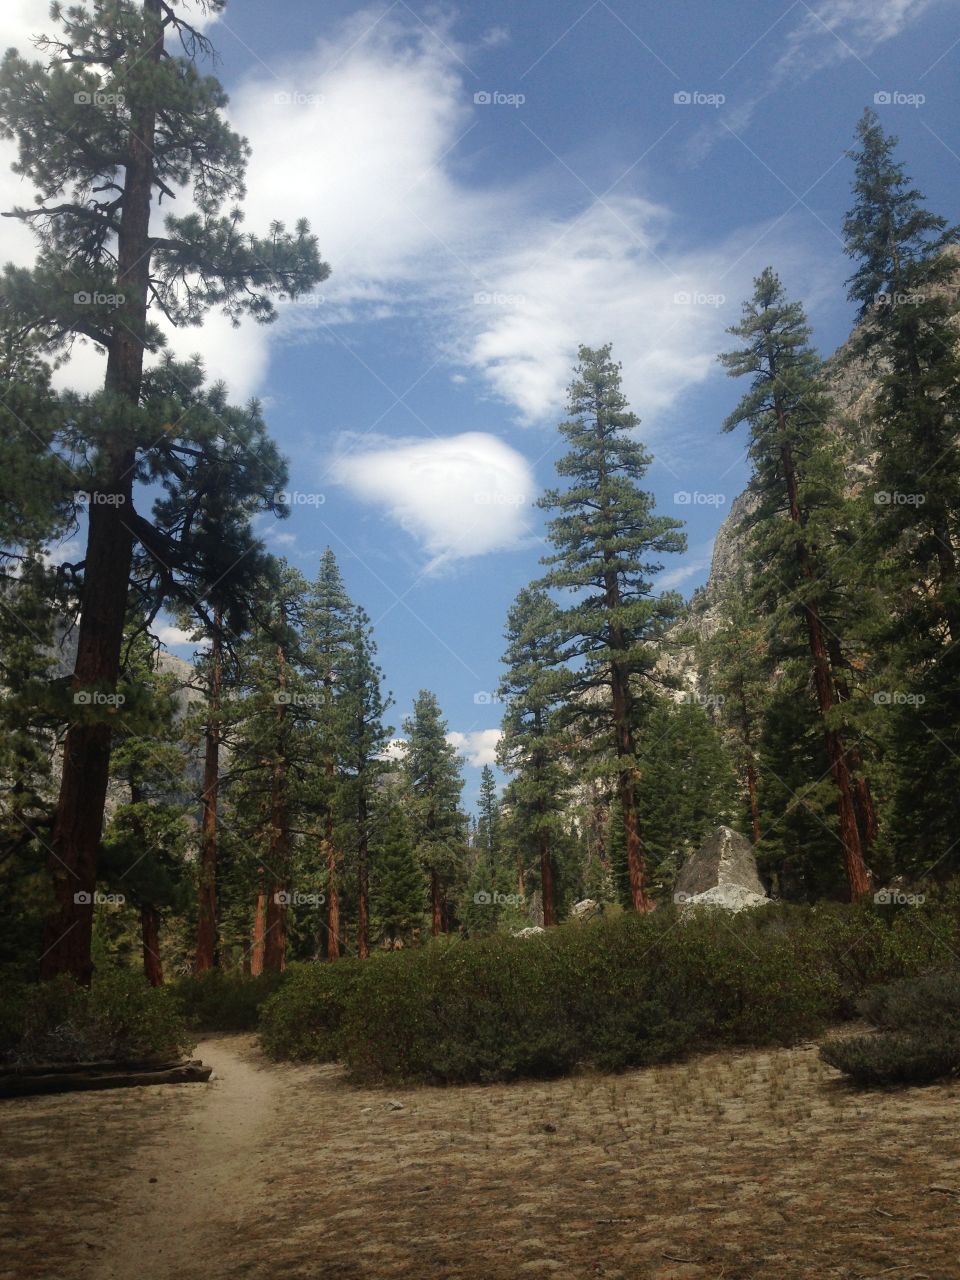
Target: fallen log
24, 1084
106, 1064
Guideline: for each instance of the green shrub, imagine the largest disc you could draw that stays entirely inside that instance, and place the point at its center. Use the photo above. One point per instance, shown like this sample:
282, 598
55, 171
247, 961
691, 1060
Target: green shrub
616, 993
303, 1019
894, 1057
120, 1017
917, 1038
220, 1001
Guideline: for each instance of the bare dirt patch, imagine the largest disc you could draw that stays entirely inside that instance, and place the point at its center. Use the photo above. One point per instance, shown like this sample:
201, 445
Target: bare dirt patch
731, 1167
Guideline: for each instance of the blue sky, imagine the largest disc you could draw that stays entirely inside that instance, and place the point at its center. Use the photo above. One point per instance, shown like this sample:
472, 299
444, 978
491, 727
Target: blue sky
493, 184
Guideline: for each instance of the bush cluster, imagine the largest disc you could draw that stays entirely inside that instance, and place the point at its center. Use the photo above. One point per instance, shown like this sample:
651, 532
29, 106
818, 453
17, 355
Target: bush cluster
616, 993
224, 1001
917, 1036
304, 1019
119, 1018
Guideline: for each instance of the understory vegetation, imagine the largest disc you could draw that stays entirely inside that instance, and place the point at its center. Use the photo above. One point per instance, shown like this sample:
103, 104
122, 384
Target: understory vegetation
623, 992
917, 1033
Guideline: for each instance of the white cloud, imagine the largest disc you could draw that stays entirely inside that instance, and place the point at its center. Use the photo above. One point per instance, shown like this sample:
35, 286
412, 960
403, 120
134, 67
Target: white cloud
827, 34
169, 635
840, 29
479, 746
395, 749
499, 286
461, 496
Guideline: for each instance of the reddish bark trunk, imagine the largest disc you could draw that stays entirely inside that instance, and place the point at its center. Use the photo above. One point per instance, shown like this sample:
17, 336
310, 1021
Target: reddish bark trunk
333, 891
363, 882
78, 821
862, 795
207, 904
259, 931
857, 879
546, 881
150, 933
275, 933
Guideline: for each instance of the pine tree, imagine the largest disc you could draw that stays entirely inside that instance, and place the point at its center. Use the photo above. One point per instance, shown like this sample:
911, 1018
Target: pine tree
365, 738
533, 688
905, 284
487, 834
399, 892
736, 658
607, 540
328, 630
146, 839
798, 484
273, 748
112, 120
434, 784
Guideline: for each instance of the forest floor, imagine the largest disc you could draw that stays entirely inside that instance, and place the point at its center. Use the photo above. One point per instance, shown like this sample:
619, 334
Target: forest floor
733, 1166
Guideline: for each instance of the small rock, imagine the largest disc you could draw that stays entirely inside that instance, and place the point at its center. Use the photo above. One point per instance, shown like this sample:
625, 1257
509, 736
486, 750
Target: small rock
393, 1105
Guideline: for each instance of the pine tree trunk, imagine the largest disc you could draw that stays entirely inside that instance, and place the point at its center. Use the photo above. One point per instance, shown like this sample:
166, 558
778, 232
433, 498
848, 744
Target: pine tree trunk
259, 931
363, 879
78, 822
626, 790
863, 797
857, 879
150, 933
205, 957
754, 806
275, 935
546, 881
333, 892
436, 921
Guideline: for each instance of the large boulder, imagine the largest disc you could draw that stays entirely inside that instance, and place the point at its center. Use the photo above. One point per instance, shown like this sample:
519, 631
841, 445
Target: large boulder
586, 909
722, 873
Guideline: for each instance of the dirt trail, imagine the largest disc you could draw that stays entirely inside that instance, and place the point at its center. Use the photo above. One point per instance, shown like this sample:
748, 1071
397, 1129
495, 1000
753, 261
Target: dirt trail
745, 1166
190, 1189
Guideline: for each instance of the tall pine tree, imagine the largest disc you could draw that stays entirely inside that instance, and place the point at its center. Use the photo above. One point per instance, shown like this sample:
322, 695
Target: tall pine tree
608, 541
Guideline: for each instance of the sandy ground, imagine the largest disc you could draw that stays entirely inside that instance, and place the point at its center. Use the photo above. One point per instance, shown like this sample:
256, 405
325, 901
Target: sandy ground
730, 1167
